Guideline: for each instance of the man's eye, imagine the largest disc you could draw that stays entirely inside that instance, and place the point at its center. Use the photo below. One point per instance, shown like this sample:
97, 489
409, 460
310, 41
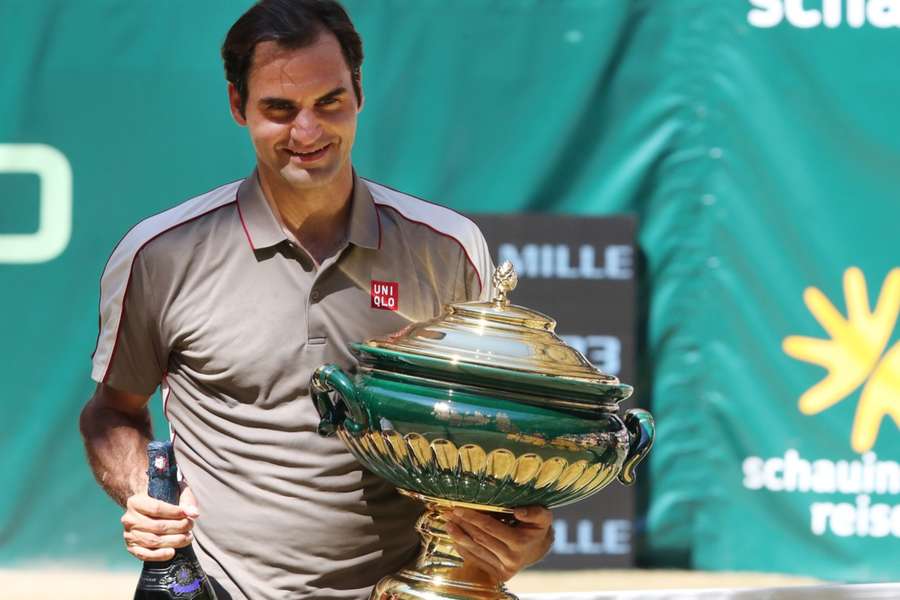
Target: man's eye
327, 102
280, 112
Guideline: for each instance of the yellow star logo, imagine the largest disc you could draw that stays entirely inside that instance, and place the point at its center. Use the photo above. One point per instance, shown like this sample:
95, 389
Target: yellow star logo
854, 355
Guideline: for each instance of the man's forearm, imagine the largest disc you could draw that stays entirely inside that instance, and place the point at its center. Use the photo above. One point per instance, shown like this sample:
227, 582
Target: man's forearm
116, 444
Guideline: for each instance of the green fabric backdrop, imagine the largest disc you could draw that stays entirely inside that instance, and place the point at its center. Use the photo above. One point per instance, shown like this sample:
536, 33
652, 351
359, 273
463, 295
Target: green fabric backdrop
758, 144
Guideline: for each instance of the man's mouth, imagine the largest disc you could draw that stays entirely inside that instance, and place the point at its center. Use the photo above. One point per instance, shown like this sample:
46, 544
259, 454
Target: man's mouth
310, 156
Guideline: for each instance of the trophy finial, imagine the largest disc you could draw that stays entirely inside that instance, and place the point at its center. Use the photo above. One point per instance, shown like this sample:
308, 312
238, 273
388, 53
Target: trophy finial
504, 280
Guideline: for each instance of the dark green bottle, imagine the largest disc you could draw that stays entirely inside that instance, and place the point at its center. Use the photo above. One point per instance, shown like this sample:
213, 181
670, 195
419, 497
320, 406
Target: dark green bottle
181, 577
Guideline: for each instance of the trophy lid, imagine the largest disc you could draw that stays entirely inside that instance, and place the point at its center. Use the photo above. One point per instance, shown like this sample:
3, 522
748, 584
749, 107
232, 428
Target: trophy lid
501, 337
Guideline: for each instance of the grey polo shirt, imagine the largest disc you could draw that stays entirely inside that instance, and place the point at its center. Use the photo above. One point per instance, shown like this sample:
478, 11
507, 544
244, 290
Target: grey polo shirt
213, 302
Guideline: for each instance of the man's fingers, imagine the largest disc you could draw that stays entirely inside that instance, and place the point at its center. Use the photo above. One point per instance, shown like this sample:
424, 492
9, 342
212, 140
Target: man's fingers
153, 529
534, 515
487, 524
485, 554
136, 522
497, 547
473, 560
507, 548
151, 507
151, 541
159, 555
188, 503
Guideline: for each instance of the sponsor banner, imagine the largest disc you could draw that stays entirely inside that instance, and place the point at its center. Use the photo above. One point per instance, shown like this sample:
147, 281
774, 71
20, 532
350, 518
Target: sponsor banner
773, 334
831, 14
581, 272
818, 469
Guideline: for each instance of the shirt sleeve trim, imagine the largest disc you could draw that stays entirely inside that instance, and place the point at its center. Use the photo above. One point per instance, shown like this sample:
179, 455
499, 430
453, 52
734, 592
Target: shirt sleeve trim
439, 219
121, 264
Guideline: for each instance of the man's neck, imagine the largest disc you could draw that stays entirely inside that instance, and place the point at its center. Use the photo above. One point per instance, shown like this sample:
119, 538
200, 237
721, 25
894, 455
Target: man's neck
318, 218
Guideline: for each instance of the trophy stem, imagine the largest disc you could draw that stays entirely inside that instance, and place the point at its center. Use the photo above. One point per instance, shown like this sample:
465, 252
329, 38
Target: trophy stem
439, 571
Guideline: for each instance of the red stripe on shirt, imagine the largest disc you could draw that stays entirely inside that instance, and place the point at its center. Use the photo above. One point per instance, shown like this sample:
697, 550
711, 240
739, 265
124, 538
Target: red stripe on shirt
443, 233
112, 354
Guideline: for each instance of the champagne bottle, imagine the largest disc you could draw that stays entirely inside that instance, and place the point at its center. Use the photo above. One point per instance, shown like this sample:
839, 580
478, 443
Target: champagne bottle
179, 578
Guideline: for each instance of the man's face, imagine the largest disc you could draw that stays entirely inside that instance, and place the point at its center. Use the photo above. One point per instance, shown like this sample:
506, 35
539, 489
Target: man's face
301, 112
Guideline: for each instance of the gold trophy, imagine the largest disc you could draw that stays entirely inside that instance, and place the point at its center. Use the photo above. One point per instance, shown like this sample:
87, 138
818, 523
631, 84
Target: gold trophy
483, 407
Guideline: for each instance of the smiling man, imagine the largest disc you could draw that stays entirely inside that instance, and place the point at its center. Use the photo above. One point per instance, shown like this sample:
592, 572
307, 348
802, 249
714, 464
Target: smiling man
232, 299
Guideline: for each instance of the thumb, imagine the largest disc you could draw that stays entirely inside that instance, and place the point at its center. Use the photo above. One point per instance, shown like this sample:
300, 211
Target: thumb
535, 515
188, 503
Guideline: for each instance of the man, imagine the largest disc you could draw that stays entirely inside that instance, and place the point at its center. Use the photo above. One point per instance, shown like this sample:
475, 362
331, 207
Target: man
231, 300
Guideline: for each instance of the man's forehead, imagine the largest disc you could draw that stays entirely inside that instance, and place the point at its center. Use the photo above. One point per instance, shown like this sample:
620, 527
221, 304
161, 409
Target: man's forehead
322, 58
313, 70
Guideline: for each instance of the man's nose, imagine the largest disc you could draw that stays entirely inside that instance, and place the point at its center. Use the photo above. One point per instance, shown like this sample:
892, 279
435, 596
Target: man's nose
306, 129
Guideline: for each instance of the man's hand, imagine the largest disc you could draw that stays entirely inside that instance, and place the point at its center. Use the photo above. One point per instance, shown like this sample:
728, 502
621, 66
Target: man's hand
153, 529
501, 550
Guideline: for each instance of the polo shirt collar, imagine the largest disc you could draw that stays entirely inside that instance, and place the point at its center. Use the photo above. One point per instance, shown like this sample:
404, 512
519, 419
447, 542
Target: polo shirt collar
365, 227
263, 228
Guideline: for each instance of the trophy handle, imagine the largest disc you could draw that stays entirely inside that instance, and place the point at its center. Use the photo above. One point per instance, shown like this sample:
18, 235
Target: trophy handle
333, 411
641, 431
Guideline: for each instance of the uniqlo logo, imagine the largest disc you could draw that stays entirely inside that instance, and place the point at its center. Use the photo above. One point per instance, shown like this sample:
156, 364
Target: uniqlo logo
385, 295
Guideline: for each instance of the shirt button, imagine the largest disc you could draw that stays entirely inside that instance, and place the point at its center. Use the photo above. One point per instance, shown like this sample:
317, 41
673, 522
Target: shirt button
315, 295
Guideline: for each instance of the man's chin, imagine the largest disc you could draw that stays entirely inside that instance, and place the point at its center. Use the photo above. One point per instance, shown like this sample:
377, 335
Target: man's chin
306, 178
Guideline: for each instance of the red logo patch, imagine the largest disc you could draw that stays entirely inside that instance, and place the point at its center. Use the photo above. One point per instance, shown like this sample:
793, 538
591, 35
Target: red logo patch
385, 295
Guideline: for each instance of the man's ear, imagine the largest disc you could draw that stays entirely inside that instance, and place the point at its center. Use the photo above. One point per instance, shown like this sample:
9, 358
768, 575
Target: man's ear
362, 96
234, 103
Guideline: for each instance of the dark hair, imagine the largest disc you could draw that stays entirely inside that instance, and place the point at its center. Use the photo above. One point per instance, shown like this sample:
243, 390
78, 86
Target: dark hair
292, 24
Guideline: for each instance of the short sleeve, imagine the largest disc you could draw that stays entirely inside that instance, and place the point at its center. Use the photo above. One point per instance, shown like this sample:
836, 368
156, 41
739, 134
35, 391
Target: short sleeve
129, 354
478, 268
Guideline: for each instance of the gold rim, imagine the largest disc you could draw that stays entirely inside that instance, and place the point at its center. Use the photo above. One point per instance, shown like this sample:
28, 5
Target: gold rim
451, 504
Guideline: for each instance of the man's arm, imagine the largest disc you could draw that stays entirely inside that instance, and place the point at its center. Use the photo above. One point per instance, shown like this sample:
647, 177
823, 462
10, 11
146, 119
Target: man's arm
116, 429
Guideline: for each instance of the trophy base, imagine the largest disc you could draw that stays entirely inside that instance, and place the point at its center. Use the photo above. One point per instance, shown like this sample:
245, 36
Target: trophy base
411, 585
439, 572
